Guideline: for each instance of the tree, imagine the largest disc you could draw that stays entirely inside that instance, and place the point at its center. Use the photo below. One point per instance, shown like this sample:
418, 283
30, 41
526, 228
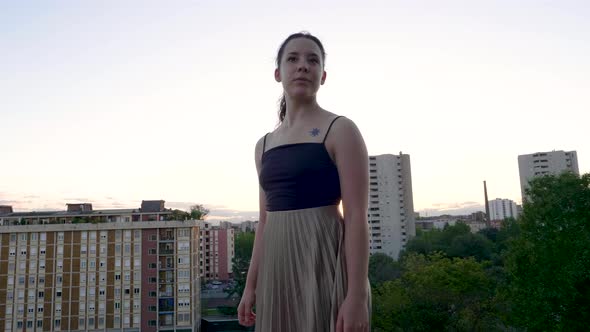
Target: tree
436, 293
470, 245
549, 263
198, 212
179, 215
454, 241
382, 268
243, 245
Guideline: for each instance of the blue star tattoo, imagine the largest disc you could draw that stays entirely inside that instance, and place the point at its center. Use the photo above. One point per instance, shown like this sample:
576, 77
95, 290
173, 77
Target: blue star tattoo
314, 132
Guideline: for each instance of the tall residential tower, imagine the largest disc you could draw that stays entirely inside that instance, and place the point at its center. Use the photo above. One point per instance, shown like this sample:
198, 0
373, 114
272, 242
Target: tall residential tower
391, 205
544, 163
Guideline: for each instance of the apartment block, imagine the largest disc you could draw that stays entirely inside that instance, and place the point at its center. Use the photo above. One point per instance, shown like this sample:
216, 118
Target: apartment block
216, 251
501, 209
545, 163
391, 205
99, 270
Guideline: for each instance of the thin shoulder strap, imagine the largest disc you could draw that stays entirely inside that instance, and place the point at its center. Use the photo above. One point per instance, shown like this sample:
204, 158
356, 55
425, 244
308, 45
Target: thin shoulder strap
264, 143
328, 131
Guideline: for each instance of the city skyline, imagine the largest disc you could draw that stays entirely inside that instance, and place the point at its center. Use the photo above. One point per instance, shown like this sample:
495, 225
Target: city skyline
116, 103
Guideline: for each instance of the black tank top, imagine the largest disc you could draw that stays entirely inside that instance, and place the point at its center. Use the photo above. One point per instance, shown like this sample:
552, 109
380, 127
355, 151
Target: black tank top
299, 176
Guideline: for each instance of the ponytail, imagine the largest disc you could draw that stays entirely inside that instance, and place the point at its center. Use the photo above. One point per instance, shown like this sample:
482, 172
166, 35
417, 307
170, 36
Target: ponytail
282, 108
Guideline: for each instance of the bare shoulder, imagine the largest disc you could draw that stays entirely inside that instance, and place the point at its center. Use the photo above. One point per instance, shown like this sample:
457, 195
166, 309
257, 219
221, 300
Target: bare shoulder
344, 136
344, 127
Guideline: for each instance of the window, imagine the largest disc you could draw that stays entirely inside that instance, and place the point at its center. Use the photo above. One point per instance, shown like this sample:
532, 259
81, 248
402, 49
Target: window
58, 293
118, 276
19, 324
81, 323
117, 248
151, 323
83, 249
136, 290
39, 324
91, 322
152, 265
82, 263
60, 236
40, 308
103, 235
58, 323
127, 291
117, 305
137, 262
127, 248
42, 251
101, 292
152, 308
152, 280
152, 294
41, 294
127, 276
152, 251
137, 234
92, 235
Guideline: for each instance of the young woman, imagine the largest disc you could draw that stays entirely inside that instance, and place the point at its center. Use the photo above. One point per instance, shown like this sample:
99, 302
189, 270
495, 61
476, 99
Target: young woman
309, 263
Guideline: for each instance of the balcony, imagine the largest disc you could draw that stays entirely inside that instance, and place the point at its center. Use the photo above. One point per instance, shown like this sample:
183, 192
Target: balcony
166, 277
166, 320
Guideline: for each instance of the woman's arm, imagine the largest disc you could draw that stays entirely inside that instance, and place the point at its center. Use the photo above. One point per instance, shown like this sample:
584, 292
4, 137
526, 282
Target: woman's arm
245, 315
351, 158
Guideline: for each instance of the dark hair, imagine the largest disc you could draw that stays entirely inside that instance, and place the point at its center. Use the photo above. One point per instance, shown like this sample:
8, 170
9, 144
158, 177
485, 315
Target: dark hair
303, 34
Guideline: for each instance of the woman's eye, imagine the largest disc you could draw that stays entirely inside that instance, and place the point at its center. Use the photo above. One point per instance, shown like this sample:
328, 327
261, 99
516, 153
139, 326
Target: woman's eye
291, 59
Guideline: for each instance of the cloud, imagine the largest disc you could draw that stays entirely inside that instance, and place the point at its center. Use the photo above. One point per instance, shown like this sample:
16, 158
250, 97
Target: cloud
81, 200
454, 208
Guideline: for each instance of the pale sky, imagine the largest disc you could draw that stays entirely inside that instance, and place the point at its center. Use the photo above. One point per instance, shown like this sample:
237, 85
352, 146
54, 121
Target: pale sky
112, 102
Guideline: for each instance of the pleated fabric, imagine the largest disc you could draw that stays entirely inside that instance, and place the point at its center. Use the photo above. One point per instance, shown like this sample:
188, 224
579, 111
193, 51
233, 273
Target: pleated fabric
302, 273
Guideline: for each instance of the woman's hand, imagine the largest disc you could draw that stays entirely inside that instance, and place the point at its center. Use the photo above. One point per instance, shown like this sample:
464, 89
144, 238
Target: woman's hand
353, 315
246, 316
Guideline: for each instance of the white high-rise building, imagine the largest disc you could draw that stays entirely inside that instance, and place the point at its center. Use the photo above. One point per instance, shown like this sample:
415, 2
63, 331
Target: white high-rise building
545, 163
391, 205
501, 209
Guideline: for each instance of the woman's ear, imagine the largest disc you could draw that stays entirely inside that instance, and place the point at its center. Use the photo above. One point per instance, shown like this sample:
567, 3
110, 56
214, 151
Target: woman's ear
323, 78
277, 75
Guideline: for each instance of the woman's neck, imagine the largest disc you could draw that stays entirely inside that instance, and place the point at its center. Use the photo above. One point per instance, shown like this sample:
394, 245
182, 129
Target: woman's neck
299, 110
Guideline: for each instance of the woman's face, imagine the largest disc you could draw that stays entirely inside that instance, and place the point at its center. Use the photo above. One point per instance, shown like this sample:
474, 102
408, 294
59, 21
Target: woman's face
301, 69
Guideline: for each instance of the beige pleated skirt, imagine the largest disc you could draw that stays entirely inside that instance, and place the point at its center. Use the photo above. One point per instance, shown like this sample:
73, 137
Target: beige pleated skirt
302, 273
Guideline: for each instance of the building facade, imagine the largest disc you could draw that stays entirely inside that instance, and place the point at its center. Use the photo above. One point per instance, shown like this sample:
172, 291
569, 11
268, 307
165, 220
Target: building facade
90, 275
216, 251
391, 205
545, 163
501, 209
